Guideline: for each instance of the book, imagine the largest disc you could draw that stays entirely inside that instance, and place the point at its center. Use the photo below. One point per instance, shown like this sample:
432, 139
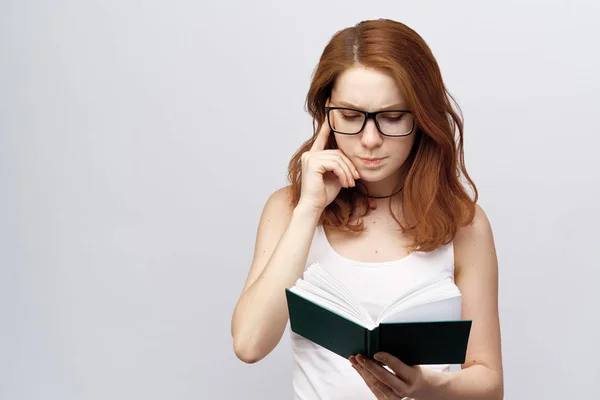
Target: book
423, 326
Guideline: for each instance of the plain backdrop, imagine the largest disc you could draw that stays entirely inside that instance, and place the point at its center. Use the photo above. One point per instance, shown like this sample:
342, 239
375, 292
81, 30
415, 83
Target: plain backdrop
139, 142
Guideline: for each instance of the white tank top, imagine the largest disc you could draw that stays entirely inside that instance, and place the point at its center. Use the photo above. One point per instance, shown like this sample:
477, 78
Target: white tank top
321, 374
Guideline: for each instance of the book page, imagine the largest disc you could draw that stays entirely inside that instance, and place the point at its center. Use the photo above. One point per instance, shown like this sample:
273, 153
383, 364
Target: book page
448, 309
323, 279
323, 289
440, 300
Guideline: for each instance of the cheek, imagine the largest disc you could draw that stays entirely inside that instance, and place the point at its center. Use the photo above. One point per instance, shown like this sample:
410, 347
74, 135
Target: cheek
402, 149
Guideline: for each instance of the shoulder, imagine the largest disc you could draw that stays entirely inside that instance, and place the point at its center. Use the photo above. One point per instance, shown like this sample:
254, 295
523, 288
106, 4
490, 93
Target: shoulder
281, 200
474, 241
283, 193
278, 207
479, 226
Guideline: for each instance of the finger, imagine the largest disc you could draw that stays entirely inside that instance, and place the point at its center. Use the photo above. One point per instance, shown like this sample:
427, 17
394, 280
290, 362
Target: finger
340, 159
386, 377
355, 174
373, 384
405, 372
321, 140
332, 165
346, 160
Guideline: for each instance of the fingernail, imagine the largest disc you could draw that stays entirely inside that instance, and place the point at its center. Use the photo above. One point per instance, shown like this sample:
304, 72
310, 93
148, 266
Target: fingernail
378, 357
356, 174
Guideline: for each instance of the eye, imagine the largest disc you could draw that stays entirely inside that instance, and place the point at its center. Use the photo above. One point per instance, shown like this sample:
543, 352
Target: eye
351, 116
392, 117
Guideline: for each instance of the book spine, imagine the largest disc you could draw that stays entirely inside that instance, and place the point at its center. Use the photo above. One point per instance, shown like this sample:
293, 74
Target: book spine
372, 342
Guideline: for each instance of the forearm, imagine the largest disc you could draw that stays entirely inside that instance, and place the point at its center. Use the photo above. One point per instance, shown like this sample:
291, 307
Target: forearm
261, 315
477, 382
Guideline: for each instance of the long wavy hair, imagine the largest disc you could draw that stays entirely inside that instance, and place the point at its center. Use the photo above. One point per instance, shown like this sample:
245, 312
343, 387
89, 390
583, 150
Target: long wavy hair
434, 200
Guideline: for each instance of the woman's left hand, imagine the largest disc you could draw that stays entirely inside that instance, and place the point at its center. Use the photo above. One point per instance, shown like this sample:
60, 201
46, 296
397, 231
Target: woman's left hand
404, 381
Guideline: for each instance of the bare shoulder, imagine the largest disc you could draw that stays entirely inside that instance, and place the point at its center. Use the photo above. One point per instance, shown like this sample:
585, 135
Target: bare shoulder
278, 209
474, 241
479, 225
281, 200
276, 214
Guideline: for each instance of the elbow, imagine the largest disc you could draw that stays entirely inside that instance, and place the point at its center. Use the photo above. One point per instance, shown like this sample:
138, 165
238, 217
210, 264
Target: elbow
245, 349
246, 352
495, 390
499, 393
498, 390
489, 382
247, 355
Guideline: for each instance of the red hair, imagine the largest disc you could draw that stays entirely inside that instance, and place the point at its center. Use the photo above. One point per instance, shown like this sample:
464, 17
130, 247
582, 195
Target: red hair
435, 202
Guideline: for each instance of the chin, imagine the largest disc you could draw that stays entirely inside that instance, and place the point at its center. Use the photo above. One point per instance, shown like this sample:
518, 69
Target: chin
367, 175
377, 174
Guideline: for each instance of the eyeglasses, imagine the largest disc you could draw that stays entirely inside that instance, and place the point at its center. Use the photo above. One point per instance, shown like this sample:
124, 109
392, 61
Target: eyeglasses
350, 121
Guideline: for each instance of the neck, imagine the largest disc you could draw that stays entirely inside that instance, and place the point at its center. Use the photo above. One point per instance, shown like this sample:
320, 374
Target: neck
372, 200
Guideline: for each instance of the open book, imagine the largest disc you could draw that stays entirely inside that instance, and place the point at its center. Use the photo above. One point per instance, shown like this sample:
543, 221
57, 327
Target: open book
422, 326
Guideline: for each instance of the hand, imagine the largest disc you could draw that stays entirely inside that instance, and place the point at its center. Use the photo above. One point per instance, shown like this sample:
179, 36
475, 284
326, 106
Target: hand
324, 172
404, 381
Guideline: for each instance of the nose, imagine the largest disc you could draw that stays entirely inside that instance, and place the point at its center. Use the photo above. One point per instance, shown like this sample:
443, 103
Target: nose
370, 136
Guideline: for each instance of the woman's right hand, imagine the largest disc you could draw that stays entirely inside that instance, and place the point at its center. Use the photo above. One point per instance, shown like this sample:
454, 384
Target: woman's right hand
324, 172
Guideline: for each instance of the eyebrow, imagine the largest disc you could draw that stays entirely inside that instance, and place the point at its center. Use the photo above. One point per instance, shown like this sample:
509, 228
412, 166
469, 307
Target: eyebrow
389, 107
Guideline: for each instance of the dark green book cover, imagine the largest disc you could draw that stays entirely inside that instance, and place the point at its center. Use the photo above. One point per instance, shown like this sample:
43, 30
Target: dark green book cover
414, 343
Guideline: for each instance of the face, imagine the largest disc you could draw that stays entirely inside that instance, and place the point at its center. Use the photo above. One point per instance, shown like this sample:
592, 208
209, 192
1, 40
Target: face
369, 90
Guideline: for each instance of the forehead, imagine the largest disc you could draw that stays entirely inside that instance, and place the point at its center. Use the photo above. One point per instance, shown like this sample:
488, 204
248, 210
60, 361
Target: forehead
367, 88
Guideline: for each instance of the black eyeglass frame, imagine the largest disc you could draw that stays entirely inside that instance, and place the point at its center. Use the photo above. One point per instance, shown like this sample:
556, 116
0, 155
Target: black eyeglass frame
368, 115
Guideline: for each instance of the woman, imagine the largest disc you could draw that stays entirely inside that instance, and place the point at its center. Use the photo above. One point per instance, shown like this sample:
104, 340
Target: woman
386, 134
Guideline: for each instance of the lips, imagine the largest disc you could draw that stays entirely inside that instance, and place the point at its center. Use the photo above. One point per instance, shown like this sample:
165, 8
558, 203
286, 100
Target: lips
371, 159
371, 162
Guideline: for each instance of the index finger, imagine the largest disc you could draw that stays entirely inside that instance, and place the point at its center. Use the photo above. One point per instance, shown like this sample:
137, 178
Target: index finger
321, 140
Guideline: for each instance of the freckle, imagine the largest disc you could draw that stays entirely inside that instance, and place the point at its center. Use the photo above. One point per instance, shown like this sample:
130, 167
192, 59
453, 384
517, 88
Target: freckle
376, 251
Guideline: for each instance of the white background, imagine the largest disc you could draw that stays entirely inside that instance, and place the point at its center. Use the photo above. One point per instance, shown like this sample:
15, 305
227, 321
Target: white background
140, 140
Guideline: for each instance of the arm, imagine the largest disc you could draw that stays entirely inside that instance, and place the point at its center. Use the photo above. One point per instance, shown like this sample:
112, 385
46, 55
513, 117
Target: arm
283, 240
476, 273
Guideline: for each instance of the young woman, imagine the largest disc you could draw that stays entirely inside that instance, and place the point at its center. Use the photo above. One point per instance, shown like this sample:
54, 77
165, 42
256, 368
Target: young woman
378, 196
